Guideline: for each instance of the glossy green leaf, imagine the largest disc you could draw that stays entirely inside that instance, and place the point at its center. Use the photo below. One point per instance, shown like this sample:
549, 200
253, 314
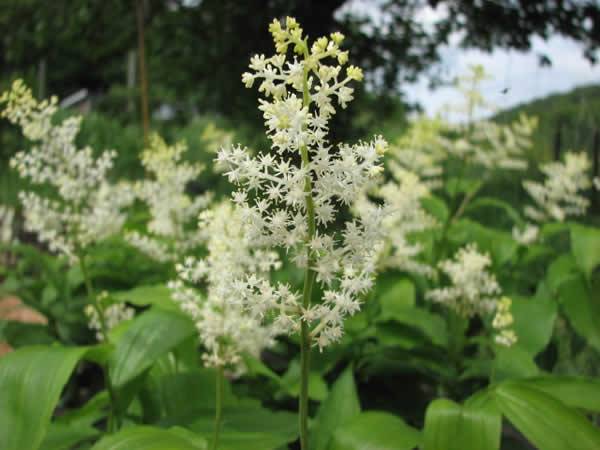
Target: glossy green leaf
429, 324
62, 436
290, 382
374, 430
436, 207
582, 307
150, 438
340, 407
545, 421
157, 295
31, 380
561, 270
585, 245
533, 335
513, 362
450, 426
249, 426
399, 295
148, 337
490, 202
577, 392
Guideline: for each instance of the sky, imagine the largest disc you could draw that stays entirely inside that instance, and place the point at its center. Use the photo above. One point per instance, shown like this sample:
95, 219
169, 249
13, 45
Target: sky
517, 76
518, 72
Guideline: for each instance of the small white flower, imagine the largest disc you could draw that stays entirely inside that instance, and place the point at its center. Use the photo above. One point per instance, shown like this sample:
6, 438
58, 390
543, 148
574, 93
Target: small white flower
526, 236
559, 196
171, 228
473, 290
87, 208
235, 266
279, 195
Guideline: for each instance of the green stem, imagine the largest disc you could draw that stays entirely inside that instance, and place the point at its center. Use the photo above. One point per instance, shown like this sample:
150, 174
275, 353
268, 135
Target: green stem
309, 278
218, 407
113, 418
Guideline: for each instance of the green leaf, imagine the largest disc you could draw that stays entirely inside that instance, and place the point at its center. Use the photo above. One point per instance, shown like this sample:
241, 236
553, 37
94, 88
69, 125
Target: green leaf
577, 392
582, 310
157, 295
340, 407
399, 295
374, 430
533, 335
560, 271
290, 382
450, 426
248, 426
62, 436
148, 337
490, 202
431, 325
513, 362
150, 438
545, 421
31, 380
585, 245
436, 207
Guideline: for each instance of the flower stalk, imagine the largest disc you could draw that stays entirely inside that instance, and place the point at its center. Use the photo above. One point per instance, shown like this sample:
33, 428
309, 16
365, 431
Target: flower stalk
309, 278
219, 378
113, 417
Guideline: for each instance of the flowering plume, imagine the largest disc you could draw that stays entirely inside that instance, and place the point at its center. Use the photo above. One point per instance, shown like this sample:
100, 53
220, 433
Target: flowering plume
171, 208
226, 331
406, 218
86, 208
560, 194
421, 150
483, 142
291, 205
473, 291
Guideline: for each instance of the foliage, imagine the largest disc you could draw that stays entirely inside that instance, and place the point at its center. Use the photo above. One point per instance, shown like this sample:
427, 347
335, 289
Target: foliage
443, 319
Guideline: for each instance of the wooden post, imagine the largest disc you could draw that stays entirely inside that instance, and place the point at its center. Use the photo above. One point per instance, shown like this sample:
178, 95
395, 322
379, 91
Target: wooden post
130, 79
139, 6
41, 79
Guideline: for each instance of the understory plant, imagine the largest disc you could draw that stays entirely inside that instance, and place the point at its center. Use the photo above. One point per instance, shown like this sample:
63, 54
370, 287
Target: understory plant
435, 293
290, 197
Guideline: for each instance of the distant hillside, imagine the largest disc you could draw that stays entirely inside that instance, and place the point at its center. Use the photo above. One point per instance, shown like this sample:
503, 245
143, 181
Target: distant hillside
576, 113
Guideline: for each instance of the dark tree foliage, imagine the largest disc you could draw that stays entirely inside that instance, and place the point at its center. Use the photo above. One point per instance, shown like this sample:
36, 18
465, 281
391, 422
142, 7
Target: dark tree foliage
197, 50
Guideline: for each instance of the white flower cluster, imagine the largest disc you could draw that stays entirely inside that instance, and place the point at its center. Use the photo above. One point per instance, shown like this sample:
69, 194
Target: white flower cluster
114, 314
291, 205
483, 142
406, 218
526, 235
7, 215
171, 208
473, 290
421, 150
87, 208
503, 319
214, 137
496, 146
225, 329
560, 194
